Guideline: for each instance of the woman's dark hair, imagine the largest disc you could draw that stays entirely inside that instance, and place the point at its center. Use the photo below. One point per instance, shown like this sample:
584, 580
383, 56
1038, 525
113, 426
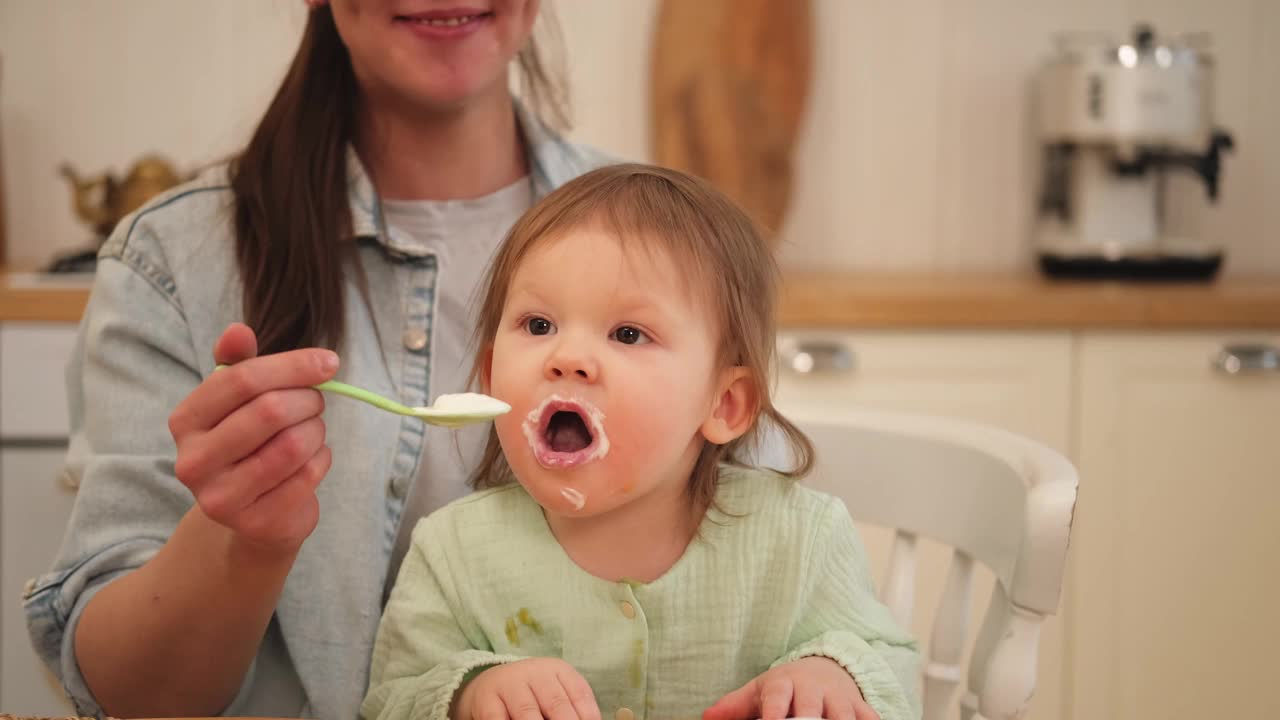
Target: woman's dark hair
292, 216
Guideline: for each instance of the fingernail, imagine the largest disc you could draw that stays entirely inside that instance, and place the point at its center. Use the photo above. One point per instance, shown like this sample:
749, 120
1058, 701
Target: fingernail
328, 360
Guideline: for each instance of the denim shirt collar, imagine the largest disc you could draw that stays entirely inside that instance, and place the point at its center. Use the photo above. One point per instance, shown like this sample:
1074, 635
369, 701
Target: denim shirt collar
546, 168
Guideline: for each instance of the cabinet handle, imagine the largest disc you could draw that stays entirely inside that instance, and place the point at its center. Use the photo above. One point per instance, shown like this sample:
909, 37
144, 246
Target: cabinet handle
817, 356
1247, 358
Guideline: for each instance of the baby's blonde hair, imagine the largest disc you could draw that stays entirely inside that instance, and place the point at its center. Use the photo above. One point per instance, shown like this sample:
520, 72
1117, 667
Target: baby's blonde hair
723, 256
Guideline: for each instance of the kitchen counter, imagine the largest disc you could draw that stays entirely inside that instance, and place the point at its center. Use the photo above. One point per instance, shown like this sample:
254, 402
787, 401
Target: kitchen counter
1022, 301
894, 300
39, 297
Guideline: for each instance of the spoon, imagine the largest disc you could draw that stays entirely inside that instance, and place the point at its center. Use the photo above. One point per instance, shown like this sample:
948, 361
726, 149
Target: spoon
451, 411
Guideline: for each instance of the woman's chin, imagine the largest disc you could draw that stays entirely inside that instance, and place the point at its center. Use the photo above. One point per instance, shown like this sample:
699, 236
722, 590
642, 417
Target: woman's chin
448, 88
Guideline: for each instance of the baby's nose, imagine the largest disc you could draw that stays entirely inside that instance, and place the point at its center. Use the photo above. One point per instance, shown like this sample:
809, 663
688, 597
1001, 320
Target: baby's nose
568, 362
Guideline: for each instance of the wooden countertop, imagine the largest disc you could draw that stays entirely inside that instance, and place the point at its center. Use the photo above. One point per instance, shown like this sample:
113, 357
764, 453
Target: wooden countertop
1022, 301
31, 297
888, 300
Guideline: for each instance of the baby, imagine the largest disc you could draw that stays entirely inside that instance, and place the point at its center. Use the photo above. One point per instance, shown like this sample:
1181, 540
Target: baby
623, 557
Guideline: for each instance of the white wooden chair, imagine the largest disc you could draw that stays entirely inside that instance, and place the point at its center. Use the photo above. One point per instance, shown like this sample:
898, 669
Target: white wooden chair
995, 498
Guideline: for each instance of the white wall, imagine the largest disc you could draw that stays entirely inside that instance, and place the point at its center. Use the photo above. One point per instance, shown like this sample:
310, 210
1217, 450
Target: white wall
915, 153
98, 83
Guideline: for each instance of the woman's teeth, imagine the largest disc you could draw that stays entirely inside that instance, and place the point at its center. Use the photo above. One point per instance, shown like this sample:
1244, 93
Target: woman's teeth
446, 22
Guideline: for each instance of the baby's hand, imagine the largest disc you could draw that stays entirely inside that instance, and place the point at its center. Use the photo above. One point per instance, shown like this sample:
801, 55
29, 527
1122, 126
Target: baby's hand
810, 687
530, 689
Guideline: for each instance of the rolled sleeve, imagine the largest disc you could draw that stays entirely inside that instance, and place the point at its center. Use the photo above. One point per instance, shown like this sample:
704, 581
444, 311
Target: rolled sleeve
132, 364
429, 696
884, 672
53, 605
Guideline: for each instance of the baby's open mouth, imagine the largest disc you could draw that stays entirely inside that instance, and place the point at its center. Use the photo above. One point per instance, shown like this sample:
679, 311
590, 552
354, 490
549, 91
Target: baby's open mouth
565, 433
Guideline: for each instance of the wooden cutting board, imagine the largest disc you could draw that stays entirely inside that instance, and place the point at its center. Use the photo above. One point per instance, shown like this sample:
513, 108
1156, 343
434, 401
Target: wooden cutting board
729, 84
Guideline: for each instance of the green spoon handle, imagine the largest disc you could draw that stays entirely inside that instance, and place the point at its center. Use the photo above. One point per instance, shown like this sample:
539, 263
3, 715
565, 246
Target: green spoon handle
361, 394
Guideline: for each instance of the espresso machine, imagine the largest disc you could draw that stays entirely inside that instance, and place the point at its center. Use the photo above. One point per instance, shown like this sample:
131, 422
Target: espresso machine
1114, 123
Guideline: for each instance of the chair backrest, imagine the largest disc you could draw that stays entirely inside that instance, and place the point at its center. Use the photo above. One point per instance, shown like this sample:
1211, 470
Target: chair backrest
994, 497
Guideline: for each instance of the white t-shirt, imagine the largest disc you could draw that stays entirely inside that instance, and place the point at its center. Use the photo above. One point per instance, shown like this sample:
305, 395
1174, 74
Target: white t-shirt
463, 235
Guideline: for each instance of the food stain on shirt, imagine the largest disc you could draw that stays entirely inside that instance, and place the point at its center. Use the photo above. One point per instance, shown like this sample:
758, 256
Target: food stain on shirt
525, 618
528, 620
637, 664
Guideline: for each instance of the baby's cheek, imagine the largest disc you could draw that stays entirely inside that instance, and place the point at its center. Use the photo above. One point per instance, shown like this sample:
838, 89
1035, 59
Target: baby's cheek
642, 442
510, 432
634, 430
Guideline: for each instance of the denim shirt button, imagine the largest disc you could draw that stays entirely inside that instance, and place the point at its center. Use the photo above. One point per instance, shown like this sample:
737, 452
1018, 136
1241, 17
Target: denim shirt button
415, 339
396, 486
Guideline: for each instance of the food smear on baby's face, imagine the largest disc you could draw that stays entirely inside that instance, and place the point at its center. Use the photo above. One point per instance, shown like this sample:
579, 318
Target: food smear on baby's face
575, 497
566, 432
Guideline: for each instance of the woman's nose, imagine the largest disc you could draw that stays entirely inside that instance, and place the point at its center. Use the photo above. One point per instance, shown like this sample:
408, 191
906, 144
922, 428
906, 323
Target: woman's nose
568, 361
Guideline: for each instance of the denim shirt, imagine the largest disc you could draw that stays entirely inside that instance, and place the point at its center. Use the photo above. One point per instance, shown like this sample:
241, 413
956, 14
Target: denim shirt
166, 287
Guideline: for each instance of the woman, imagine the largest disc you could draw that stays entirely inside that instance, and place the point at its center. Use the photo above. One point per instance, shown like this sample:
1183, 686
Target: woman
236, 562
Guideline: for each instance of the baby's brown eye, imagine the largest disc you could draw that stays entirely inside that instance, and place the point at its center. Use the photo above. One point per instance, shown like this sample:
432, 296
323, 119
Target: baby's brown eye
628, 335
539, 326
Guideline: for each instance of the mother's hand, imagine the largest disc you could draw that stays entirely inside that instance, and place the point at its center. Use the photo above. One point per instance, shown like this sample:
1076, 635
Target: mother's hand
251, 442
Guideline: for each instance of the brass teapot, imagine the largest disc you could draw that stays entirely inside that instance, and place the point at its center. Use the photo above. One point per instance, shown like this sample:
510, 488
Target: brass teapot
103, 200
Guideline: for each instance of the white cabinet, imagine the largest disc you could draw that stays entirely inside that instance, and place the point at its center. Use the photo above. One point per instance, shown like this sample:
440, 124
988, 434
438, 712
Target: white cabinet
34, 502
1176, 546
1172, 584
33, 397
1019, 381
34, 506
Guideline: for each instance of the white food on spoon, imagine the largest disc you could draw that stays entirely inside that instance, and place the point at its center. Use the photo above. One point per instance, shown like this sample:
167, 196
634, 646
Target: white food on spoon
465, 404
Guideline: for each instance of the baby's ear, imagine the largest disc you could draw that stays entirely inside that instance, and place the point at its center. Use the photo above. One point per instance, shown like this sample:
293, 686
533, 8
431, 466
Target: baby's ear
734, 408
